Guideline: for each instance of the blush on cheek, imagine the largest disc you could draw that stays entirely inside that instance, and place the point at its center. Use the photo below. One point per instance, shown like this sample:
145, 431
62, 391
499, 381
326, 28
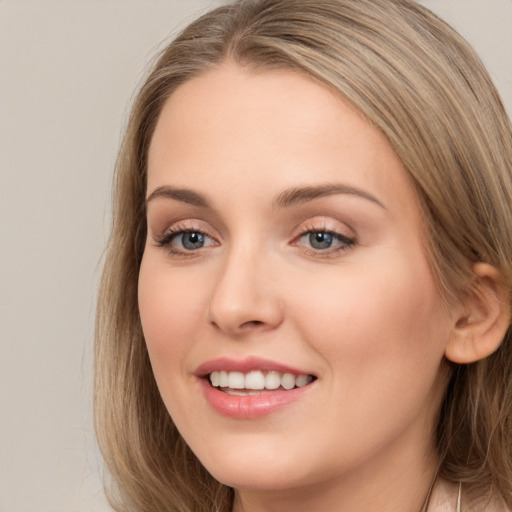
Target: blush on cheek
394, 308
170, 322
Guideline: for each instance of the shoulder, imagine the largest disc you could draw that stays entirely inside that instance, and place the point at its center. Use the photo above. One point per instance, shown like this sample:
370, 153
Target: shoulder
487, 503
444, 497
448, 496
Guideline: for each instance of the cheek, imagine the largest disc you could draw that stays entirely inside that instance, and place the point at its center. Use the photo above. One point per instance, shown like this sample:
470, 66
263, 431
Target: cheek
386, 322
169, 318
381, 334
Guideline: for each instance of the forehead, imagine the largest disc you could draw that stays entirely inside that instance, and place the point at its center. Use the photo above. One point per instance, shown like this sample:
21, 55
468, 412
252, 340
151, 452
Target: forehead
278, 128
273, 105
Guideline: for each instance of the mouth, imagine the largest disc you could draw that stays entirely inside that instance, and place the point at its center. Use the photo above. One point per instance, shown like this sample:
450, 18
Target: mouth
256, 382
253, 387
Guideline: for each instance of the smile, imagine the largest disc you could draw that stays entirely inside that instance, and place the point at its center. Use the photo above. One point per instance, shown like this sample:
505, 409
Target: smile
253, 387
253, 382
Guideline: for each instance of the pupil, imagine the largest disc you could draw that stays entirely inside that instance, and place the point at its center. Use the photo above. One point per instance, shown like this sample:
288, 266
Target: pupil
193, 240
320, 240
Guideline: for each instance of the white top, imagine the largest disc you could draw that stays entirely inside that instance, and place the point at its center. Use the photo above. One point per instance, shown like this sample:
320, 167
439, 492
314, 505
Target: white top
450, 497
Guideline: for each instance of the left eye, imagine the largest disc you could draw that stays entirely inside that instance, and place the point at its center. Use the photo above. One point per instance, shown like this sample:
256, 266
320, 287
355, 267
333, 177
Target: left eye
322, 240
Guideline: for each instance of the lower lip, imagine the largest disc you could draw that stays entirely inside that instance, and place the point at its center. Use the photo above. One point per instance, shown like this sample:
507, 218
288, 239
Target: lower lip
250, 407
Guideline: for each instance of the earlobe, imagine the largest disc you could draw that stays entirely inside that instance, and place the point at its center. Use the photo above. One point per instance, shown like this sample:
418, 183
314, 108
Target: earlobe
483, 318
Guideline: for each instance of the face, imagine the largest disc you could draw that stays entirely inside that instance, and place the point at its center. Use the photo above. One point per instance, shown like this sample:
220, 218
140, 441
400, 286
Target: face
292, 319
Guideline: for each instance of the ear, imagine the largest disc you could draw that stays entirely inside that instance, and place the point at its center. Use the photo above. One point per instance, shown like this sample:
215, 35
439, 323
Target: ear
481, 319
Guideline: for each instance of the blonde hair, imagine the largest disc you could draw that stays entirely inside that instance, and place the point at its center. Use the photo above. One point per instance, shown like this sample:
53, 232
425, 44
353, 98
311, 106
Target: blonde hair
425, 88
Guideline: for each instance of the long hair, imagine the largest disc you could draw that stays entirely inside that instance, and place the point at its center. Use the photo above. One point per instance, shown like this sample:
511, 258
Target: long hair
425, 89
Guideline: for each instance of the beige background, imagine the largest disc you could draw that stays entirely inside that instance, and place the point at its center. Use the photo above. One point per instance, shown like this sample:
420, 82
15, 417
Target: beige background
67, 71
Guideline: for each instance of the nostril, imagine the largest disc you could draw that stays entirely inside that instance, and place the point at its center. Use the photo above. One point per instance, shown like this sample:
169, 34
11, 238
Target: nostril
252, 323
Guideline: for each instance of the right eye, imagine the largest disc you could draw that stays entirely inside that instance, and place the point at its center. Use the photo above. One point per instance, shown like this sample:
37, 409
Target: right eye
181, 241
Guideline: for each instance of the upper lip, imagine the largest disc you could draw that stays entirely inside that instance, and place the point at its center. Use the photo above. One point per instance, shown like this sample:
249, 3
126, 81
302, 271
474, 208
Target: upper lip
245, 365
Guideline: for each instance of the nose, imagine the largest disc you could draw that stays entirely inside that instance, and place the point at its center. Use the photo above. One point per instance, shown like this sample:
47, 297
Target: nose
245, 298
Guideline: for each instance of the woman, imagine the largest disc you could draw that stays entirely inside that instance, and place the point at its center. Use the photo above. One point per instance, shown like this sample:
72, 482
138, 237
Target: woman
306, 297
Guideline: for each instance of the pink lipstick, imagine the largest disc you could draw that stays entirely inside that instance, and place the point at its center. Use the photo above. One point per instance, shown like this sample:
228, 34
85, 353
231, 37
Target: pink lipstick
252, 387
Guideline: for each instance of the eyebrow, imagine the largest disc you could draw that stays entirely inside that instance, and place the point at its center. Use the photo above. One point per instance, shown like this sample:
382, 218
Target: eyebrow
285, 199
304, 194
184, 195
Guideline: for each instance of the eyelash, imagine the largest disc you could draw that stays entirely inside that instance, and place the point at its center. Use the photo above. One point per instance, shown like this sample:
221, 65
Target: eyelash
346, 243
165, 240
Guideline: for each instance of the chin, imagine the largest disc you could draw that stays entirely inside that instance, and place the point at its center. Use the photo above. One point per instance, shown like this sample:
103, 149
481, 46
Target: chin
258, 469
269, 479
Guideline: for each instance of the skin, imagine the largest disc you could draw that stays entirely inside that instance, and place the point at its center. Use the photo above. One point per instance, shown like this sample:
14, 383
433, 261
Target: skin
367, 320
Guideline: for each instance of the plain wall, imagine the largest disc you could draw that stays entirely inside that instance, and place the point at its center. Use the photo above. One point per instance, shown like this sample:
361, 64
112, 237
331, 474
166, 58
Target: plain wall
68, 69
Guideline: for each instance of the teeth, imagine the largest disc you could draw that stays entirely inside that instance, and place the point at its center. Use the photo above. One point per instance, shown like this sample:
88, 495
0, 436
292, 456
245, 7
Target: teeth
302, 380
236, 380
288, 381
223, 379
272, 380
215, 379
242, 392
256, 380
